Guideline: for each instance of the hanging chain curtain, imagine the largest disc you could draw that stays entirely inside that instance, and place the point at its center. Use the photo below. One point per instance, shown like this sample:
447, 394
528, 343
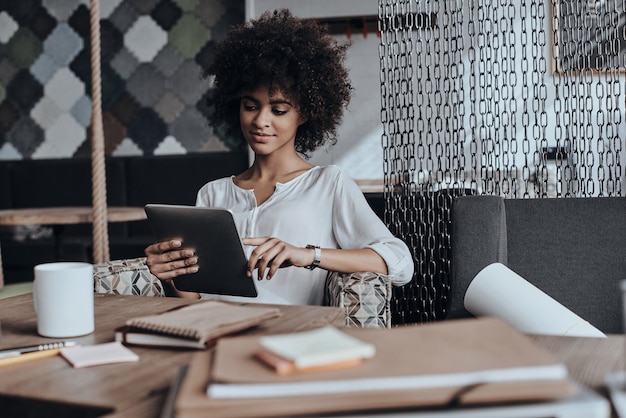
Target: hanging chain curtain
521, 99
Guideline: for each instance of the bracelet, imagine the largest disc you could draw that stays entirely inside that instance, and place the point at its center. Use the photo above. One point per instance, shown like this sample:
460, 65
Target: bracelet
316, 259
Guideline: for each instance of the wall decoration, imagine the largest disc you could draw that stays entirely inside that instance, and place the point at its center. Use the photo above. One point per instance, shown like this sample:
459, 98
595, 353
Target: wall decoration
598, 44
153, 98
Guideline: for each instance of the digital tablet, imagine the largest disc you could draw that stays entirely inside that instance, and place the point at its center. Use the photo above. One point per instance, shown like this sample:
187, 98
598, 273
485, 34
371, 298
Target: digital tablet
212, 234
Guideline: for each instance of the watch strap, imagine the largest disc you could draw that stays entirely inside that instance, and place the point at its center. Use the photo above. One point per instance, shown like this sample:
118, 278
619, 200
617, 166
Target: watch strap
316, 259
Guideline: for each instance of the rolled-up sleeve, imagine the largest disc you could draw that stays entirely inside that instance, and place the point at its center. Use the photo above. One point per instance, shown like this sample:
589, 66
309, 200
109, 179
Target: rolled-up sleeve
357, 226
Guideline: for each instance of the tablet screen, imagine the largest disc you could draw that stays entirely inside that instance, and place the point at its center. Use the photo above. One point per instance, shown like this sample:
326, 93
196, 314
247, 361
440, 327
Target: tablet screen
211, 232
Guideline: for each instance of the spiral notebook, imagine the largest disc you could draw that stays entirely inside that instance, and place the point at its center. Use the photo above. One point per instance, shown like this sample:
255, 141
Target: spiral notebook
201, 323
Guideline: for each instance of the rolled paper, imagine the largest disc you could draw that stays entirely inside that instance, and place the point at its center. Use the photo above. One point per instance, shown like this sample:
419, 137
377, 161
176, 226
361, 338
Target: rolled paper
499, 291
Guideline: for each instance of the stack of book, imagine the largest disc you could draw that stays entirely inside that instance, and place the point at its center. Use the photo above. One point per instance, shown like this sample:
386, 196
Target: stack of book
193, 326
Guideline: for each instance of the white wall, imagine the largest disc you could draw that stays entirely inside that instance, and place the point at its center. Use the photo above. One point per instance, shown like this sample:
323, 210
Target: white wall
358, 150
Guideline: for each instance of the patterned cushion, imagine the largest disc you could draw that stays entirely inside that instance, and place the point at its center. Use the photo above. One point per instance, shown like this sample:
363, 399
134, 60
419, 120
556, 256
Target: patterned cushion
126, 277
365, 297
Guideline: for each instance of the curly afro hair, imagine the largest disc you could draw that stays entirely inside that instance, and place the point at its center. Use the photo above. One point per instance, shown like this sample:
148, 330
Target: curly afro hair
283, 52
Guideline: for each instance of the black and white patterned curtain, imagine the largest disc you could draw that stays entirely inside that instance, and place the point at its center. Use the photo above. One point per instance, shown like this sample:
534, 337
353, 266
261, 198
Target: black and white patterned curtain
517, 98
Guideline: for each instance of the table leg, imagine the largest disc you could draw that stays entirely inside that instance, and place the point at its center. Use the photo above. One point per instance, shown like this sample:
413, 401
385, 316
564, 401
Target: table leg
56, 232
1, 269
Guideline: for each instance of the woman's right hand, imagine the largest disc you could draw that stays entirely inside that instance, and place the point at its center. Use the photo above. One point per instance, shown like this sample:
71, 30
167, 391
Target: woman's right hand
167, 260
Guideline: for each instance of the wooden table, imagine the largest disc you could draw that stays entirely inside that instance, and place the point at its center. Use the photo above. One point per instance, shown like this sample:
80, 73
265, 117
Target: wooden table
59, 216
51, 387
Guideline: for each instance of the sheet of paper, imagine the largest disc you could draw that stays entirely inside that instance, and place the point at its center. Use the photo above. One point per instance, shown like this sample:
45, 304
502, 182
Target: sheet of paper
95, 355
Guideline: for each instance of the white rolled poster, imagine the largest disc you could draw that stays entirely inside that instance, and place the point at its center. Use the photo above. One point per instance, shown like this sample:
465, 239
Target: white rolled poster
499, 291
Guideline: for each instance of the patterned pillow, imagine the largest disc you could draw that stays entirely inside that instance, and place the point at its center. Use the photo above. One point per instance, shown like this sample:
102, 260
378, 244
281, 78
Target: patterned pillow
126, 277
365, 297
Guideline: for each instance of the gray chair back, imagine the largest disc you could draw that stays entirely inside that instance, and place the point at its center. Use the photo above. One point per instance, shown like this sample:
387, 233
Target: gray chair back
573, 249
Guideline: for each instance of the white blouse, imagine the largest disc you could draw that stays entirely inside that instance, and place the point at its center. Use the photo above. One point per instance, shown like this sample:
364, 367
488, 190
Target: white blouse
322, 206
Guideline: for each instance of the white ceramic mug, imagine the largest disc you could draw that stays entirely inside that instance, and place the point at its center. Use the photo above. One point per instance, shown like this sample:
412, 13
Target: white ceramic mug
63, 296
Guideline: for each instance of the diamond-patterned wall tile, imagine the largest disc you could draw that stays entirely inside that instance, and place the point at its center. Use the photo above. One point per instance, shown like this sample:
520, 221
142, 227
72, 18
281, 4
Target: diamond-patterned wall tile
152, 55
23, 48
127, 148
42, 24
145, 39
8, 27
22, 11
111, 41
147, 130
212, 144
143, 6
205, 55
8, 152
146, 85
24, 90
63, 45
81, 66
166, 13
189, 35
81, 111
9, 115
114, 131
123, 17
44, 68
62, 138
46, 112
187, 83
64, 88
108, 7
124, 63
170, 146
169, 107
60, 9
188, 5
79, 22
125, 108
211, 12
191, 129
7, 71
112, 87
26, 136
168, 60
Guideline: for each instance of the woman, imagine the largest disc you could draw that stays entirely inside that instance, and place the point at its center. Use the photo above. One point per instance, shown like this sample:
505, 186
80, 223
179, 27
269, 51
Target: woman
280, 87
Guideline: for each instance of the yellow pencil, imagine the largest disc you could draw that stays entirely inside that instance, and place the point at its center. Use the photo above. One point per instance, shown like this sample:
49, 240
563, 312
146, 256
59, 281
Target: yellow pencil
35, 355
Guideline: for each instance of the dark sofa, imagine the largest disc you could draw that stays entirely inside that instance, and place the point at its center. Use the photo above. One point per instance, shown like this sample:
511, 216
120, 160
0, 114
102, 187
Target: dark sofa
131, 181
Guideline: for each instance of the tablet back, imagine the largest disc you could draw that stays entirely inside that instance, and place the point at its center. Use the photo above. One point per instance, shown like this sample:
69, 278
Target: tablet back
211, 232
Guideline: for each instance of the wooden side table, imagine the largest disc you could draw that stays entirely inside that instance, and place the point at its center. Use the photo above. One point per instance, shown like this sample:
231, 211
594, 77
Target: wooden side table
64, 216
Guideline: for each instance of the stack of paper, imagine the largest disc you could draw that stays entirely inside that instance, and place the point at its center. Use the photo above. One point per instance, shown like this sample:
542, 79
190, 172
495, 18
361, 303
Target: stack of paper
324, 348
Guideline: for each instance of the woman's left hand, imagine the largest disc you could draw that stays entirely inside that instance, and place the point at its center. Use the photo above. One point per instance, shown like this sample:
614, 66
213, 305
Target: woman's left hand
272, 253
